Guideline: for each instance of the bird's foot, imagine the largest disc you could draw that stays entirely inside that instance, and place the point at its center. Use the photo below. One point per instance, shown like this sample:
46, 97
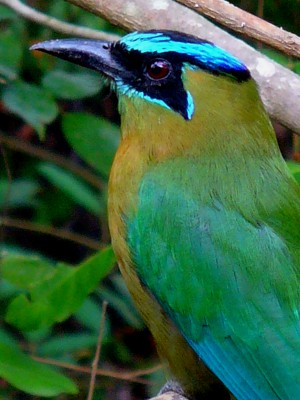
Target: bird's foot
172, 391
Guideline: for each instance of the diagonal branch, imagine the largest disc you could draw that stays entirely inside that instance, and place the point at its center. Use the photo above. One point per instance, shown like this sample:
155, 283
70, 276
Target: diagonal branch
122, 375
60, 233
53, 23
247, 24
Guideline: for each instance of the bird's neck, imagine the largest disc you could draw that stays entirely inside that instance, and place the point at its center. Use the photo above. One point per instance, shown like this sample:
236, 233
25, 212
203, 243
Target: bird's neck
228, 148
228, 152
229, 120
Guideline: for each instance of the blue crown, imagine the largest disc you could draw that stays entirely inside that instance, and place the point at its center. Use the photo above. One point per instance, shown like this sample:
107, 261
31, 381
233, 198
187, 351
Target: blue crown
198, 52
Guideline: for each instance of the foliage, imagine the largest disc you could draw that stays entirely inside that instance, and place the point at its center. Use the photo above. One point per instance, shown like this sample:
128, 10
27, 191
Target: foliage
51, 294
57, 265
49, 289
30, 376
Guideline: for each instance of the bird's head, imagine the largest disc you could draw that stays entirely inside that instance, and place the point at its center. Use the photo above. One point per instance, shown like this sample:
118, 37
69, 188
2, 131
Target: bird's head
168, 79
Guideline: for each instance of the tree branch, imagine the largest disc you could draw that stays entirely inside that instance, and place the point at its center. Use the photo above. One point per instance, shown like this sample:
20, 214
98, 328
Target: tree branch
247, 24
60, 233
122, 375
55, 24
279, 87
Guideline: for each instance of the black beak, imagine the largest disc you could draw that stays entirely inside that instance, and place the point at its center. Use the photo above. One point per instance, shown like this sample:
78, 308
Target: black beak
92, 54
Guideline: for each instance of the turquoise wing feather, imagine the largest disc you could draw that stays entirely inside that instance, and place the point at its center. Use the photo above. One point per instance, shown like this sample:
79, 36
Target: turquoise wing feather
230, 283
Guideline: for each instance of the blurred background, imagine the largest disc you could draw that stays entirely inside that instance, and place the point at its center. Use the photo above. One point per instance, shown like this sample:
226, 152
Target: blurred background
59, 130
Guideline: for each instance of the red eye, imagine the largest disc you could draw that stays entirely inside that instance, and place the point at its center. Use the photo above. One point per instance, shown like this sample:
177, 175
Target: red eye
158, 69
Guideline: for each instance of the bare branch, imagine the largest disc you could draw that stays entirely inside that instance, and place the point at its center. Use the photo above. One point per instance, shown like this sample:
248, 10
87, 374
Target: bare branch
55, 24
97, 354
247, 24
60, 233
279, 87
122, 375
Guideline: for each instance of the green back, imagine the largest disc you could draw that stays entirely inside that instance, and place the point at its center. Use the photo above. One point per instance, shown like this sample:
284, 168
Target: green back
218, 245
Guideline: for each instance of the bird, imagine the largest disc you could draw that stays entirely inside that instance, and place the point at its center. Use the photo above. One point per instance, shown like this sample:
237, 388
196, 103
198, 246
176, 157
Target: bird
203, 213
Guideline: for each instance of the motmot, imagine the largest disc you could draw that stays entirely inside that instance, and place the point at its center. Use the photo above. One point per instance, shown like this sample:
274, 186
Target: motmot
203, 213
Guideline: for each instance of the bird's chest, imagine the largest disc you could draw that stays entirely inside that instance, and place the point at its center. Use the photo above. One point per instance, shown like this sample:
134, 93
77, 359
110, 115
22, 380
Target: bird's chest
127, 171
135, 174
128, 168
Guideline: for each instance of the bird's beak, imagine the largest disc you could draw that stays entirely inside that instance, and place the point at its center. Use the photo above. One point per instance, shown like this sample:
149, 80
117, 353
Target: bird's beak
93, 54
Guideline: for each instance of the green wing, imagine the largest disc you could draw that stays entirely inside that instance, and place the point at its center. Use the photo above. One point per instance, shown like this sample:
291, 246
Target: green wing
230, 284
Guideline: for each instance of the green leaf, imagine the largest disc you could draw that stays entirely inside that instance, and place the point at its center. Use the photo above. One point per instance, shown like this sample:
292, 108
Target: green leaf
54, 208
73, 187
120, 299
12, 39
38, 336
276, 56
59, 9
296, 67
26, 271
55, 299
10, 61
7, 290
89, 315
7, 338
19, 193
32, 103
30, 376
67, 343
95, 140
72, 85
6, 13
294, 168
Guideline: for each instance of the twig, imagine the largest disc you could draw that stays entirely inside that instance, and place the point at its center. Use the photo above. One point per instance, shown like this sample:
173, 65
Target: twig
50, 230
97, 354
43, 154
260, 14
260, 8
279, 87
55, 24
247, 24
127, 376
